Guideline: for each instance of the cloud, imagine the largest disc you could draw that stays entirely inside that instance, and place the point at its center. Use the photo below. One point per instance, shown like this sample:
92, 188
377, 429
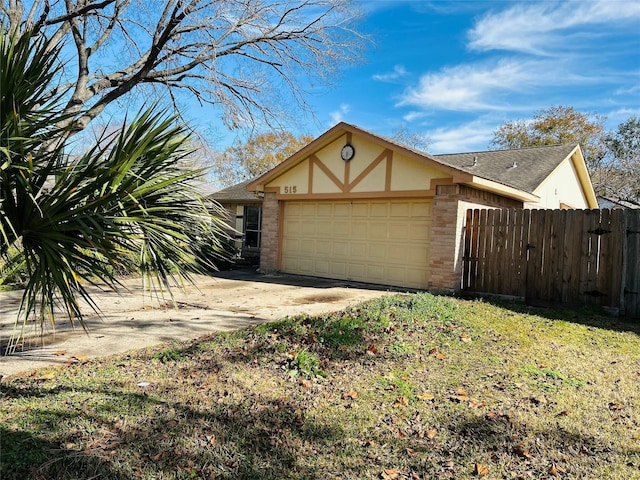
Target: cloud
540, 27
469, 87
337, 116
472, 136
398, 72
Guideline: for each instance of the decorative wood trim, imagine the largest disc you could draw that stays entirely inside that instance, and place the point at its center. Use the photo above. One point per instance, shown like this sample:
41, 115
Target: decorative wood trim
387, 177
327, 172
384, 155
347, 172
360, 195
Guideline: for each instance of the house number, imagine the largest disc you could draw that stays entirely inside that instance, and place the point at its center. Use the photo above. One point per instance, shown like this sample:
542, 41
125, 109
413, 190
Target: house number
290, 189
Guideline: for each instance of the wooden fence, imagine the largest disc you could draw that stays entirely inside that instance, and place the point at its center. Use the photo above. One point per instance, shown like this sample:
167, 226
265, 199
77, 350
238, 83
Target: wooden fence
553, 257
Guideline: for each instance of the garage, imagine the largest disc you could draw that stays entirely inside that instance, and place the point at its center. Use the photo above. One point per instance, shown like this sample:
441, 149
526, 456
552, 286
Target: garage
358, 240
352, 205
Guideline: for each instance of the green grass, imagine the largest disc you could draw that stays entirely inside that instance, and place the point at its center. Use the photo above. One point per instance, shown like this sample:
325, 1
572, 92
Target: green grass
407, 386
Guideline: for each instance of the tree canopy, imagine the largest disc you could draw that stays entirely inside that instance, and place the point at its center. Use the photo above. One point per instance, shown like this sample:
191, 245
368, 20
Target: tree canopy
259, 154
621, 178
556, 125
250, 58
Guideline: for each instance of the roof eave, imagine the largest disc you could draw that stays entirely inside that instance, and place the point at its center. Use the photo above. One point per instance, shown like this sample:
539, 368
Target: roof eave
503, 190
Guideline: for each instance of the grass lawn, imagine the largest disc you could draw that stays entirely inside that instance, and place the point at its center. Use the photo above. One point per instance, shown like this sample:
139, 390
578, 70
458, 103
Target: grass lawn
404, 387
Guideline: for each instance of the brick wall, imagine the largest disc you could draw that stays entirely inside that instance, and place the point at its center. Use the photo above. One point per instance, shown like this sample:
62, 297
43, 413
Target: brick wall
270, 229
448, 215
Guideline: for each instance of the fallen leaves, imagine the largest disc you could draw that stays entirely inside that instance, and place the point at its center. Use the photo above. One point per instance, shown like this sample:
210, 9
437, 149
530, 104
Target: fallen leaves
481, 470
555, 470
390, 473
436, 353
521, 450
461, 396
350, 395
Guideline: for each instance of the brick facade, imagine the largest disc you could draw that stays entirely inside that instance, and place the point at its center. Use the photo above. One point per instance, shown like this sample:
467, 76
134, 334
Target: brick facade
270, 233
448, 215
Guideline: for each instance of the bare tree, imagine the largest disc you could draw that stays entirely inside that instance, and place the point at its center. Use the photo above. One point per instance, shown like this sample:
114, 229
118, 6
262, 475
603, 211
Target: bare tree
251, 58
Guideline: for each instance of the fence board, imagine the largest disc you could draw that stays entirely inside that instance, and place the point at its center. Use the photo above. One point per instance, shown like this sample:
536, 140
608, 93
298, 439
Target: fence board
554, 256
631, 287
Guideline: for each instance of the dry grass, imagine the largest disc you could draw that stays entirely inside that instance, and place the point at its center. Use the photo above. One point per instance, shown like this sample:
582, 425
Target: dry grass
407, 387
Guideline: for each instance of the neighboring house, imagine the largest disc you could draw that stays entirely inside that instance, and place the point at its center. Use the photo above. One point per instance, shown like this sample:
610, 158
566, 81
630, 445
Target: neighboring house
606, 202
244, 216
352, 205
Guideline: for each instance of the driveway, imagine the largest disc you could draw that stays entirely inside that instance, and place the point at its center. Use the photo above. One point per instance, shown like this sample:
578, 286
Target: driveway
133, 320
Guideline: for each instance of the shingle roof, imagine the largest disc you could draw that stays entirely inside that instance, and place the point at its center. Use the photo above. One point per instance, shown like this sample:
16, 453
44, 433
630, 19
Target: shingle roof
533, 164
524, 169
235, 193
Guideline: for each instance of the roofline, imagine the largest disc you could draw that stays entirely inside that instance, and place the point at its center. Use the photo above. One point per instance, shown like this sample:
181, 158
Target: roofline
502, 189
577, 160
459, 176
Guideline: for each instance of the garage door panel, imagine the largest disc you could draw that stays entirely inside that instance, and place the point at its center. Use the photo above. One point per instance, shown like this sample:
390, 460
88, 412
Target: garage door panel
340, 249
377, 241
419, 232
378, 231
359, 209
338, 268
400, 209
341, 209
378, 209
357, 270
325, 210
308, 209
340, 229
377, 250
321, 267
358, 251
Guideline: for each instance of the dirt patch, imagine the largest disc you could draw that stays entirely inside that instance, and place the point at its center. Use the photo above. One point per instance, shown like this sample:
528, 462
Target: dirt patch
132, 320
319, 299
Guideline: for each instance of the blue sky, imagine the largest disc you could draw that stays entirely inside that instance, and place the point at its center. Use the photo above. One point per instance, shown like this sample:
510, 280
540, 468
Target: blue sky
456, 70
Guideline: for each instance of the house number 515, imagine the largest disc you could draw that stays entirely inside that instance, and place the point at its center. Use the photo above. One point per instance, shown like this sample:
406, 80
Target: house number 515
290, 189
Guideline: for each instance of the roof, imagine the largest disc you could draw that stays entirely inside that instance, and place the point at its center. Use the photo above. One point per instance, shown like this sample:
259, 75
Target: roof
513, 173
236, 193
524, 169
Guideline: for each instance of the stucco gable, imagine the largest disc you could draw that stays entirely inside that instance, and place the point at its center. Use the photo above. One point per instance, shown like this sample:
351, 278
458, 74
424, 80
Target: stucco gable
383, 165
378, 167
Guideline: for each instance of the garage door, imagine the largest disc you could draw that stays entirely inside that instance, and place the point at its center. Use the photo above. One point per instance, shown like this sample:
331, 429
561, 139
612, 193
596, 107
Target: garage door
385, 242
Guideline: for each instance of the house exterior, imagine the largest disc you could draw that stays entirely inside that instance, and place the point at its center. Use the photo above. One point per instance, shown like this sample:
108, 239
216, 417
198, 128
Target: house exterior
244, 217
352, 205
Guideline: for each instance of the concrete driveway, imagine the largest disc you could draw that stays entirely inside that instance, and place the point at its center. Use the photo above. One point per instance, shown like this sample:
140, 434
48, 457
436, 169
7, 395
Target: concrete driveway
133, 320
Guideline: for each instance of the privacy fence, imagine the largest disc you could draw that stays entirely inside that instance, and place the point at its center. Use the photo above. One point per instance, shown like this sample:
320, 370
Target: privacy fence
553, 257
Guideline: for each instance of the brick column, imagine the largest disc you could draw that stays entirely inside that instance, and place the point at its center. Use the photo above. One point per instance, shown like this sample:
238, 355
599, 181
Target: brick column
270, 237
445, 263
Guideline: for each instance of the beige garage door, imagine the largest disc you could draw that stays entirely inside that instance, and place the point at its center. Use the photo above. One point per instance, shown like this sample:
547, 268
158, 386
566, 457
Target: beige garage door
385, 242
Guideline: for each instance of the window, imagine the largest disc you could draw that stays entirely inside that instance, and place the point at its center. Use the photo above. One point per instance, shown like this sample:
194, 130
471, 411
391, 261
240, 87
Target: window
252, 226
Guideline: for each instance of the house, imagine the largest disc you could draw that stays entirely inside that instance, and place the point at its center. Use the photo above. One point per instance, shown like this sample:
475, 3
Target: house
244, 217
353, 205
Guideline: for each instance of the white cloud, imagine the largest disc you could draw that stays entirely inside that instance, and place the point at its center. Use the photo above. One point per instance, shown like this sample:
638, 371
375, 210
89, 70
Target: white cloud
475, 87
541, 27
472, 136
337, 116
398, 72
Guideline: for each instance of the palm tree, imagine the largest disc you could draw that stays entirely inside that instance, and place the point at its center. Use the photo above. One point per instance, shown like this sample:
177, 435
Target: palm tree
78, 221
